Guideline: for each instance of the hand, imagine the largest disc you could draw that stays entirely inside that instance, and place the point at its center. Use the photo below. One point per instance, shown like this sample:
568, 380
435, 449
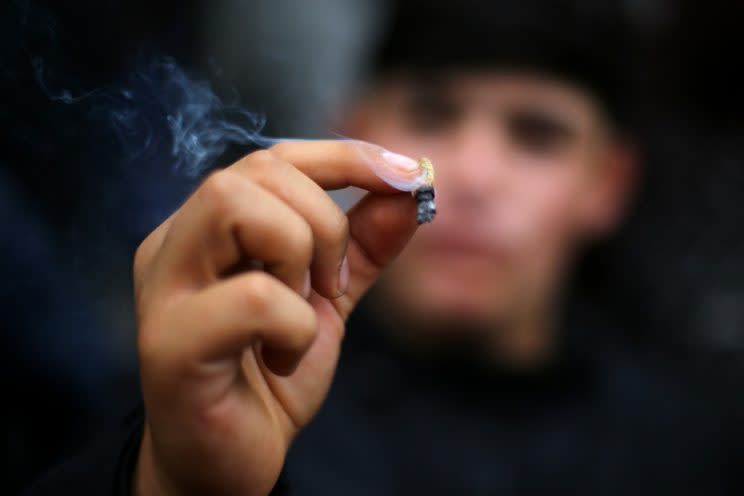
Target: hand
235, 360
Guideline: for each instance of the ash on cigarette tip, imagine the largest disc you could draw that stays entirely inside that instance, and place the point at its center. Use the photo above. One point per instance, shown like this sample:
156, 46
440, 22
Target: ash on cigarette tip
426, 209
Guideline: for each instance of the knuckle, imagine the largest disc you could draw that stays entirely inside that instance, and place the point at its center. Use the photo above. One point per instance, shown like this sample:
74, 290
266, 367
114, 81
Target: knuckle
260, 159
304, 327
280, 148
338, 226
268, 169
219, 189
308, 322
260, 289
301, 242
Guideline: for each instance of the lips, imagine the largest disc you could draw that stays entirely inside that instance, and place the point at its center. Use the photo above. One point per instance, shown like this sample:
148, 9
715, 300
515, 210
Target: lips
479, 242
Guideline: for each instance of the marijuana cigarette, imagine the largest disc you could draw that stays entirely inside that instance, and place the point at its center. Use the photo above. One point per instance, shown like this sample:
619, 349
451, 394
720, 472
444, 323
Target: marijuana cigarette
419, 181
426, 209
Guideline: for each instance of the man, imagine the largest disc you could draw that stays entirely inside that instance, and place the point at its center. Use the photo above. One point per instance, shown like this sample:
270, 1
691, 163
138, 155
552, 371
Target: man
462, 372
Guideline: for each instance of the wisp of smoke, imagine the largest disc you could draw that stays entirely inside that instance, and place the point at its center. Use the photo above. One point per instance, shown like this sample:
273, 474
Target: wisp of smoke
160, 115
157, 96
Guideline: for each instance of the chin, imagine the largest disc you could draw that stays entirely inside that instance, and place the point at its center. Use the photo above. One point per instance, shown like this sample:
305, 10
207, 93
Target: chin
459, 290
468, 311
473, 301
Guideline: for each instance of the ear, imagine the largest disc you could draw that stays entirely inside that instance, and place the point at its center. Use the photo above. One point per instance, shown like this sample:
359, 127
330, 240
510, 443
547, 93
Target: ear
611, 188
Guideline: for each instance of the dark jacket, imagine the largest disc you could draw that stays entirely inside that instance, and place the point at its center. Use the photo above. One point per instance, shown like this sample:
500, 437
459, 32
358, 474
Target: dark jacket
606, 419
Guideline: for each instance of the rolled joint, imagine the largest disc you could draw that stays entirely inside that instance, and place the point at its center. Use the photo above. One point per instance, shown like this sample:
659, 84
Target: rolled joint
426, 209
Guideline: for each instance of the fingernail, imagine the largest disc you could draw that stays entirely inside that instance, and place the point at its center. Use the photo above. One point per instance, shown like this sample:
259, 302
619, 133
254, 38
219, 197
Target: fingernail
343, 277
306, 286
399, 162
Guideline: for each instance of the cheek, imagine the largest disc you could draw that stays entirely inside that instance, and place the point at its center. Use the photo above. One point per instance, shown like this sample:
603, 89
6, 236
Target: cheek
548, 207
547, 198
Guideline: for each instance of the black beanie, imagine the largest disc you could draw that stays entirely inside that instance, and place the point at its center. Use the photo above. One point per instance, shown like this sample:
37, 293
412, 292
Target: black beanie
583, 42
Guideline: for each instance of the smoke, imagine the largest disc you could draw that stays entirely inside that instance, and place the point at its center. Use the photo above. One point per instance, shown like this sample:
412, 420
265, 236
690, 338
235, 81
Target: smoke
161, 106
156, 112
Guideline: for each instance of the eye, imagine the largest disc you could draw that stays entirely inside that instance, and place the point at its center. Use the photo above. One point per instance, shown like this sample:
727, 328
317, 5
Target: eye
539, 132
429, 112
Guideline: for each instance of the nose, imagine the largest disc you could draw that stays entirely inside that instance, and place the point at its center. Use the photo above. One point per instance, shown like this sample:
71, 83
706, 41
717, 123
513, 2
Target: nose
476, 171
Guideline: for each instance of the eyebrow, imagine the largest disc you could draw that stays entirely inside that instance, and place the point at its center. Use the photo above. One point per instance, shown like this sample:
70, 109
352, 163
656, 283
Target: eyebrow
436, 87
551, 118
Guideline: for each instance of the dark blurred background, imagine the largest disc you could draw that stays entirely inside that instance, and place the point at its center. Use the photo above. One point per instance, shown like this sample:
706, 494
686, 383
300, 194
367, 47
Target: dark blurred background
75, 203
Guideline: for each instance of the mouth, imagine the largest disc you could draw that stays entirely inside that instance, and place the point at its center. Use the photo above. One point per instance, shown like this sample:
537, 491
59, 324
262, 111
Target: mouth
464, 238
454, 245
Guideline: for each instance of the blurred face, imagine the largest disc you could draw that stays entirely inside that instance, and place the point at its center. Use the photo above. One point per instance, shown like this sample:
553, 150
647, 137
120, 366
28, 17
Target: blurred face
525, 172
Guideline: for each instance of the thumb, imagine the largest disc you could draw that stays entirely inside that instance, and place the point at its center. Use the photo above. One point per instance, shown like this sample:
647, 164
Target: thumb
379, 228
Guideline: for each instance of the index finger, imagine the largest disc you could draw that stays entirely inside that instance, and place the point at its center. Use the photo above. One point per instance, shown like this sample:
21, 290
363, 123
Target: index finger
336, 164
